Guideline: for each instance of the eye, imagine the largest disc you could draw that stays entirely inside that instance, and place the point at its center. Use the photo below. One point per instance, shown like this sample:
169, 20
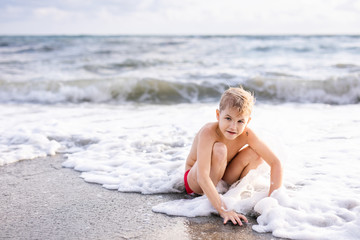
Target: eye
241, 121
228, 118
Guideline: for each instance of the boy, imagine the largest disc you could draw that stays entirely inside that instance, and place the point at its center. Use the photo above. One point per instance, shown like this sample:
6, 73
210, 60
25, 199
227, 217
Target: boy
228, 150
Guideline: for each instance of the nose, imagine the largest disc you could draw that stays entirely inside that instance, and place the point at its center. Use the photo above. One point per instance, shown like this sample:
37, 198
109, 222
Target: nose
233, 125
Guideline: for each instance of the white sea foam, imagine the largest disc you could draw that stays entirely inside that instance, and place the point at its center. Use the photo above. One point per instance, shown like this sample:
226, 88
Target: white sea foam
241, 197
181, 69
143, 148
334, 90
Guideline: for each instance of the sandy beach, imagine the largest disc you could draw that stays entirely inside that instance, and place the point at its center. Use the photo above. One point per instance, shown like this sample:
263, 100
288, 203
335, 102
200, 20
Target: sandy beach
125, 110
42, 200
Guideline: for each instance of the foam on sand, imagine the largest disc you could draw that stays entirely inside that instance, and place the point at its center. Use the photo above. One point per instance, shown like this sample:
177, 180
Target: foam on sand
143, 149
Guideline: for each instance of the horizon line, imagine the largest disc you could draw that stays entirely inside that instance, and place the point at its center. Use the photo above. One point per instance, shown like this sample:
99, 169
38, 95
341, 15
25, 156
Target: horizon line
177, 34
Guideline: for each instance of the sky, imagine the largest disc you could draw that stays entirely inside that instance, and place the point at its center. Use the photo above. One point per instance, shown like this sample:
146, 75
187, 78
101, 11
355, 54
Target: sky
175, 17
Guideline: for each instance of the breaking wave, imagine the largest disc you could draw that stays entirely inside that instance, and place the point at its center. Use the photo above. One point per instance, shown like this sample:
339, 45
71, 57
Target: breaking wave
344, 90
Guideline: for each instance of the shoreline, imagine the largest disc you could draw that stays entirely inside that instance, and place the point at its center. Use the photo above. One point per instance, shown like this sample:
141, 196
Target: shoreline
42, 200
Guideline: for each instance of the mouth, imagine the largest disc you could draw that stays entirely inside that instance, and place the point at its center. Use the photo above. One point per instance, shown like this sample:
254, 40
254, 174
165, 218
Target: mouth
231, 132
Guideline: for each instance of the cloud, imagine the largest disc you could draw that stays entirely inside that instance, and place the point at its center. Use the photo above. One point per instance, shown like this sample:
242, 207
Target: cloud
52, 13
179, 17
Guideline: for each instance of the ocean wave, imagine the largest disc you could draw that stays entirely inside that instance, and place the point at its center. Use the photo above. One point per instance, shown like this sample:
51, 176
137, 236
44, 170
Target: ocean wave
341, 90
336, 90
126, 64
4, 44
270, 48
37, 49
146, 90
347, 66
29, 49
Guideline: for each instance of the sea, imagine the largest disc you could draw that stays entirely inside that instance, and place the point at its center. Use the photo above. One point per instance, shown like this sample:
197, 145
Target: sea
124, 110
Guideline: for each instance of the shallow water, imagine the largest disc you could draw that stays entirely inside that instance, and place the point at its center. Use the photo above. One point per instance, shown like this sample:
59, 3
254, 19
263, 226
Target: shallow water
143, 149
124, 111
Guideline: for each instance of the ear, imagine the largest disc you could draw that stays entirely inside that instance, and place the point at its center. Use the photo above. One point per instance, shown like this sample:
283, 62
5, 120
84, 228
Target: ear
217, 114
248, 121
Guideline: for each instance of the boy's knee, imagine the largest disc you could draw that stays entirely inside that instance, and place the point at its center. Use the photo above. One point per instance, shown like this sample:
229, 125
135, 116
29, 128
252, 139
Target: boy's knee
253, 156
219, 151
250, 152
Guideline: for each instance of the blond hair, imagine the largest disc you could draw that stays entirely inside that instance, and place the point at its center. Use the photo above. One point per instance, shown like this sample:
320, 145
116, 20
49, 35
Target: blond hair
239, 98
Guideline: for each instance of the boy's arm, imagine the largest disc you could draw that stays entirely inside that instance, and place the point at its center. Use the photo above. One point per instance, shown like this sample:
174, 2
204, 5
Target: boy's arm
270, 158
205, 145
204, 152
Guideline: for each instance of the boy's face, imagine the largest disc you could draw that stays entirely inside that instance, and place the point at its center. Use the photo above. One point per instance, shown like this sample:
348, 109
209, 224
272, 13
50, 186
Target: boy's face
231, 123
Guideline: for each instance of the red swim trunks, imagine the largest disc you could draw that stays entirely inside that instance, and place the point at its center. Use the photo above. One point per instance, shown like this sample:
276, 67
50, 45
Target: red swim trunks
188, 189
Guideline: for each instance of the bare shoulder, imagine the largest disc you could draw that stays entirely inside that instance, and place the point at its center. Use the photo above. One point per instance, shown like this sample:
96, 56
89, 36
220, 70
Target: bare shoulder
208, 131
249, 132
209, 128
254, 141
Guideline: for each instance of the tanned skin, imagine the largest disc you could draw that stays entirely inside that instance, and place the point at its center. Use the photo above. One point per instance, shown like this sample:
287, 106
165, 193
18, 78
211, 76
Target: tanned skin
228, 149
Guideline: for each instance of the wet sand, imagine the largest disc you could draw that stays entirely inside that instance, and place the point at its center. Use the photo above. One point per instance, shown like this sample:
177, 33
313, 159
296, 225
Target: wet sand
41, 200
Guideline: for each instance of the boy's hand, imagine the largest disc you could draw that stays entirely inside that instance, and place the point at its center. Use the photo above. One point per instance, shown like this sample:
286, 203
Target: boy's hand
234, 217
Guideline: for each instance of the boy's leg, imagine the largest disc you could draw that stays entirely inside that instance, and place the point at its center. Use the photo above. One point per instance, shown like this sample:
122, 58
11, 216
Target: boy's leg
217, 169
246, 160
